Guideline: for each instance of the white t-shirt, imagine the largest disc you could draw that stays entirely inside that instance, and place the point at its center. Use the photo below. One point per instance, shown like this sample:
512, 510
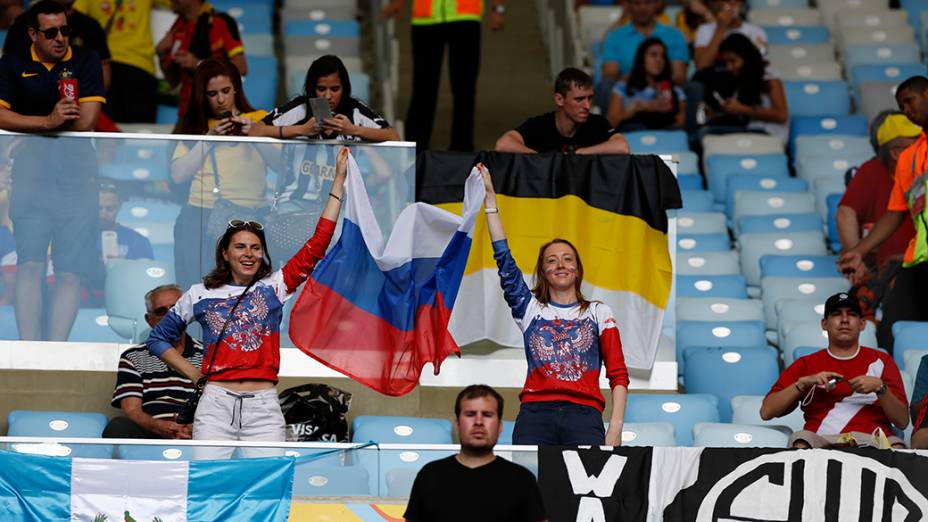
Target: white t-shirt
755, 33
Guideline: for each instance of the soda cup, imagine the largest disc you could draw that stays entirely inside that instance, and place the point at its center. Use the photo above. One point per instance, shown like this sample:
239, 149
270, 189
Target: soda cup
67, 85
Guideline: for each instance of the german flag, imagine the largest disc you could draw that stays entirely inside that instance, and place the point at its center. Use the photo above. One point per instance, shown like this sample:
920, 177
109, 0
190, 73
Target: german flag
613, 208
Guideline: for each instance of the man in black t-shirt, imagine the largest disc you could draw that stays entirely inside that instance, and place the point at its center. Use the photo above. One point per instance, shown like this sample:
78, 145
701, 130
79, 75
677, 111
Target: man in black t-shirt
475, 484
570, 128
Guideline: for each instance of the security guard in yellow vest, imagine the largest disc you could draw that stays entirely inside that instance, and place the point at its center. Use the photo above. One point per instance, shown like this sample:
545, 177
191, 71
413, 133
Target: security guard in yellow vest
436, 24
906, 300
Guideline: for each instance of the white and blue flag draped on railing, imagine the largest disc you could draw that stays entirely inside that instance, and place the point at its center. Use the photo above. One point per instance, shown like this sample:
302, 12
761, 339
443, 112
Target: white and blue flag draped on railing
40, 488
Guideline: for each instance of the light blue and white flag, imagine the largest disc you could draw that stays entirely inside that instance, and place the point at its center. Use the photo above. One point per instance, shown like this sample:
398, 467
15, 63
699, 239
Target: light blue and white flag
34, 487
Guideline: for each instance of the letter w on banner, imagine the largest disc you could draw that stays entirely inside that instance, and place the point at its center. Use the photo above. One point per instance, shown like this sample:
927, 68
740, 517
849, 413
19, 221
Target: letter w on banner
378, 311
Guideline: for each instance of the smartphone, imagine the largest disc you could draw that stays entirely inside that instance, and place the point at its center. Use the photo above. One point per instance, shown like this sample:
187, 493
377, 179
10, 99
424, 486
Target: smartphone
236, 126
320, 109
109, 244
718, 98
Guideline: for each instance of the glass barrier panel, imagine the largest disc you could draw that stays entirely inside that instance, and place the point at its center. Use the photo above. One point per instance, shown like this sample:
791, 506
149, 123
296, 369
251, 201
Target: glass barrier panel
131, 212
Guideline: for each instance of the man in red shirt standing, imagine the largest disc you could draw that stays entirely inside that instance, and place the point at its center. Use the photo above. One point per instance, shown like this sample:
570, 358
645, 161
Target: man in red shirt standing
200, 32
865, 202
846, 391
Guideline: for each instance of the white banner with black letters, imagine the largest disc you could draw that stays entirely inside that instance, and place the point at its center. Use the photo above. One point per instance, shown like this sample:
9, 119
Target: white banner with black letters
728, 485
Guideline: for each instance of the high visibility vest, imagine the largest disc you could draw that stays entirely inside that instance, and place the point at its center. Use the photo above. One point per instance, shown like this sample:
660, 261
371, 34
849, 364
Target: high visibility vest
430, 12
915, 198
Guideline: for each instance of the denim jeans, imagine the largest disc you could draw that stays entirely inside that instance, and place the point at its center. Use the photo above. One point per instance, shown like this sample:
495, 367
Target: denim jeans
558, 423
249, 416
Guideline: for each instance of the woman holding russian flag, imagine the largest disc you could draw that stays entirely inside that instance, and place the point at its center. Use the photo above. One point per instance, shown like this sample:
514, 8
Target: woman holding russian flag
240, 307
567, 341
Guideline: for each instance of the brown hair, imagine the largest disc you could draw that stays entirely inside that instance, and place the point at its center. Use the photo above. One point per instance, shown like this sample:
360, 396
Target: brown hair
198, 113
541, 283
222, 274
476, 391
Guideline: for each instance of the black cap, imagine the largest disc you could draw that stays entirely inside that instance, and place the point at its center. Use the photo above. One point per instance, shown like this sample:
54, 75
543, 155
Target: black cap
842, 300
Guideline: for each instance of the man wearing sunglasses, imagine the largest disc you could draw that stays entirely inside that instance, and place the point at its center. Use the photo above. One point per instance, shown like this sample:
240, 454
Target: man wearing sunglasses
55, 199
148, 392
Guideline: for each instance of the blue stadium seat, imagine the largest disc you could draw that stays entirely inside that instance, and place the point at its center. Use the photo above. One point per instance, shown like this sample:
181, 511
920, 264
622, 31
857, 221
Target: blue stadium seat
697, 200
8, 329
167, 115
648, 434
824, 186
398, 430
791, 310
719, 309
732, 286
689, 181
683, 411
154, 452
773, 202
912, 359
818, 98
704, 242
258, 44
136, 211
708, 263
261, 81
25, 423
809, 221
657, 141
252, 18
799, 266
92, 326
802, 351
718, 435
846, 124
778, 4
688, 163
751, 183
330, 28
908, 335
828, 165
720, 167
689, 223
506, 436
745, 409
835, 146
717, 333
804, 287
855, 55
330, 481
884, 72
729, 371
138, 170
127, 282
755, 246
797, 35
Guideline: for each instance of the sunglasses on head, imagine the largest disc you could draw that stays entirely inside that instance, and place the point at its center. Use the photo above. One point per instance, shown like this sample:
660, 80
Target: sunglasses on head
52, 32
161, 311
238, 223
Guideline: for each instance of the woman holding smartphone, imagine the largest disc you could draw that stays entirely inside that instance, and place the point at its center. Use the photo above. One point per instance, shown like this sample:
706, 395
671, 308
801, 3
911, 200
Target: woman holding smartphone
351, 119
225, 178
240, 305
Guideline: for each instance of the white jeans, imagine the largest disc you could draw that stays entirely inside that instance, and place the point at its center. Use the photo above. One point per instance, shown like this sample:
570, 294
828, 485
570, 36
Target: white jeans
248, 416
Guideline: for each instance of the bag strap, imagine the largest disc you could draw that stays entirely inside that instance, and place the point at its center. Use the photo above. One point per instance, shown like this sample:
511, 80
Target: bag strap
109, 23
222, 332
212, 159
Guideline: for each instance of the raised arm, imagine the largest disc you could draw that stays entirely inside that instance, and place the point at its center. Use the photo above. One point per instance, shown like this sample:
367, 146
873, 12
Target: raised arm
494, 223
512, 141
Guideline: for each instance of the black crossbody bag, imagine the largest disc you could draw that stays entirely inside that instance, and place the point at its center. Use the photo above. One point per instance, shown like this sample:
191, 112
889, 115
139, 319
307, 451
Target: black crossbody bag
187, 413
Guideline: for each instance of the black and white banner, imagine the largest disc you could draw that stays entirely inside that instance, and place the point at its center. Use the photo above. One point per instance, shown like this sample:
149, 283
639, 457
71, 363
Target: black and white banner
727, 485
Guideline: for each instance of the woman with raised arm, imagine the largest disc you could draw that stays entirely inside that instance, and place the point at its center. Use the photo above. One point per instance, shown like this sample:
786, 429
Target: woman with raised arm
567, 341
240, 307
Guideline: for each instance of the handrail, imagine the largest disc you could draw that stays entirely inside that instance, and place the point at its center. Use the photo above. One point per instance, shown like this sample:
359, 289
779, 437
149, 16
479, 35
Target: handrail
206, 137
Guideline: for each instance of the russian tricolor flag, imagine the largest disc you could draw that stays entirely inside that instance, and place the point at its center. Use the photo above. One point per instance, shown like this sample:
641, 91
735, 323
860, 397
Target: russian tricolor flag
378, 311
